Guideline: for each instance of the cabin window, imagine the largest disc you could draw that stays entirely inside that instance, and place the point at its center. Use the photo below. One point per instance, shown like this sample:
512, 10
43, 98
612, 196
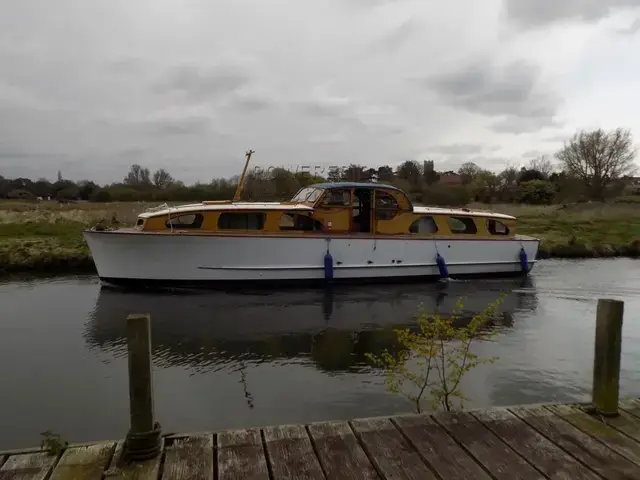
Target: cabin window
497, 228
241, 221
462, 225
337, 198
297, 221
424, 225
307, 195
140, 222
192, 220
386, 206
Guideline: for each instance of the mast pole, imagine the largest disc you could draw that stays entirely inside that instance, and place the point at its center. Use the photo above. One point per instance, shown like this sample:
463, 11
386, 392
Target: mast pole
236, 197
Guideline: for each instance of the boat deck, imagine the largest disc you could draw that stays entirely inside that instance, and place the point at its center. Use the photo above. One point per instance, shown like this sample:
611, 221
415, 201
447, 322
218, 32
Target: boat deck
535, 442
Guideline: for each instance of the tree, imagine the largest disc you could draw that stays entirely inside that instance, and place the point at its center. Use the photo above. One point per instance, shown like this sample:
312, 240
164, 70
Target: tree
536, 192
468, 172
598, 157
507, 181
542, 164
372, 174
385, 174
137, 176
285, 182
434, 359
355, 173
529, 174
410, 171
86, 189
162, 179
68, 193
484, 186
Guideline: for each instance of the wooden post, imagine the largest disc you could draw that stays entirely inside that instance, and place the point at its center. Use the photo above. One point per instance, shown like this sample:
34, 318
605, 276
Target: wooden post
606, 361
143, 439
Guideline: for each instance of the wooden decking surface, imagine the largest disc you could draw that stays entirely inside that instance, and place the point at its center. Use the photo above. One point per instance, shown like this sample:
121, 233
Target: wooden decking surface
551, 441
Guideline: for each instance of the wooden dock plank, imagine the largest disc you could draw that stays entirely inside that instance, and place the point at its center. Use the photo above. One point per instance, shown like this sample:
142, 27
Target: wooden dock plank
28, 466
241, 456
291, 454
595, 427
339, 452
486, 447
84, 462
585, 448
630, 405
389, 451
541, 452
122, 470
189, 457
438, 449
625, 423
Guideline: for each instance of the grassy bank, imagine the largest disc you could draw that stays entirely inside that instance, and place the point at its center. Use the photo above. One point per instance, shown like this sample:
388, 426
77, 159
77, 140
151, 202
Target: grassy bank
583, 230
47, 237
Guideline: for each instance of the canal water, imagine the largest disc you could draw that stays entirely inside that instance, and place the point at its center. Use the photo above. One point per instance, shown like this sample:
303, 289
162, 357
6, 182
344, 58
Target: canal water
240, 359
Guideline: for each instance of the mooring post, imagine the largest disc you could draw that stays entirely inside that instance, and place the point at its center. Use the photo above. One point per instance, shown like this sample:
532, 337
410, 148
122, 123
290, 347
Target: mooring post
606, 361
143, 439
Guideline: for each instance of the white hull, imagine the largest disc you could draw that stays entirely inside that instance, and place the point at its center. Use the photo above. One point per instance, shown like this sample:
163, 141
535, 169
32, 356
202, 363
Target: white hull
121, 255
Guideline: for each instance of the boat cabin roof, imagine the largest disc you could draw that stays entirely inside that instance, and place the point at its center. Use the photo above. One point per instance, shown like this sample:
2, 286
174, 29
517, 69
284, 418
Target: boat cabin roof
460, 211
360, 185
227, 206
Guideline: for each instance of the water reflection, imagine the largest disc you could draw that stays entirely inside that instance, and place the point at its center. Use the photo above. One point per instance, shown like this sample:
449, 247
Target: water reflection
333, 329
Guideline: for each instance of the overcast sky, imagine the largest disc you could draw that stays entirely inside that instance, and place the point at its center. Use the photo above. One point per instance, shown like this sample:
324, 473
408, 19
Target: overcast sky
90, 87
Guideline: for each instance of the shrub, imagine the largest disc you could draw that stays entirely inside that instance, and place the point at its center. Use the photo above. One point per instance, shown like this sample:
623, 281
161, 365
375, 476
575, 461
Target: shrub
434, 359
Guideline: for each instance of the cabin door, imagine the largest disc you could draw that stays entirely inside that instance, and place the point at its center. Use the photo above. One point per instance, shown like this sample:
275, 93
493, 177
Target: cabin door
362, 210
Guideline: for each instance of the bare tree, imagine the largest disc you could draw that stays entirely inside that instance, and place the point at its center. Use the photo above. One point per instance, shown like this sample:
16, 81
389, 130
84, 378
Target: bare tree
162, 178
468, 171
542, 164
138, 176
597, 158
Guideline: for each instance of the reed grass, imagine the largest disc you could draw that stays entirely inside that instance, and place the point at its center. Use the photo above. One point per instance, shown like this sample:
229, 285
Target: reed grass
47, 236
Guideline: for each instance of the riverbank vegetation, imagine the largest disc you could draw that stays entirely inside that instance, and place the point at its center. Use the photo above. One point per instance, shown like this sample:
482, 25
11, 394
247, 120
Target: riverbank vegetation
586, 203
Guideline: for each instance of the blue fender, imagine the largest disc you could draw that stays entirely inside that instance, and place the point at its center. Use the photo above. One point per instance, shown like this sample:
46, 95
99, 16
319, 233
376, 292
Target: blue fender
524, 261
442, 266
328, 266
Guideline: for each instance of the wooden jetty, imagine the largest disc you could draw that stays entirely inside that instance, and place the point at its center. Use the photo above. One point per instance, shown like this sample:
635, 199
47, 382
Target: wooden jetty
535, 442
596, 441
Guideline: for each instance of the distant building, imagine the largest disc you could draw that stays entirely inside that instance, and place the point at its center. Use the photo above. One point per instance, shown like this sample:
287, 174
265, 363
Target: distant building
450, 178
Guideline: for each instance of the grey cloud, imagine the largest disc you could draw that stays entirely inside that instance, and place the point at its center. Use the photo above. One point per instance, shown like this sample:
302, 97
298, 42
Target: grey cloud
396, 37
459, 148
197, 85
561, 137
177, 126
631, 29
538, 13
17, 155
331, 107
251, 103
512, 91
519, 125
532, 154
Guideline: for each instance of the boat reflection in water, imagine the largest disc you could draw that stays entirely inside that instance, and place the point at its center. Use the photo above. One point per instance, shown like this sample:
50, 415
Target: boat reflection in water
333, 329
